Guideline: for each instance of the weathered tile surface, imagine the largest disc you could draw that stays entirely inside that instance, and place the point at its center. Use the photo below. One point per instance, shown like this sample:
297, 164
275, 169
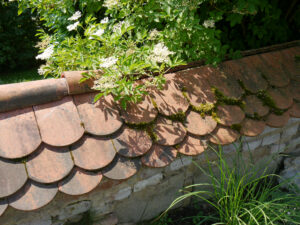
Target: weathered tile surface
193, 146
254, 105
159, 156
198, 125
250, 127
230, 114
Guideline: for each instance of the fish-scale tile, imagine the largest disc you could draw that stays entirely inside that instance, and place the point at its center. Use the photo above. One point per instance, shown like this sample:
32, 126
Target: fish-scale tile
59, 122
255, 106
3, 206
281, 96
294, 87
49, 164
19, 134
274, 120
250, 127
251, 78
79, 182
169, 132
100, 118
197, 90
12, 177
230, 114
132, 142
225, 83
141, 112
193, 146
295, 110
33, 196
274, 71
159, 156
223, 136
198, 125
122, 168
170, 100
92, 153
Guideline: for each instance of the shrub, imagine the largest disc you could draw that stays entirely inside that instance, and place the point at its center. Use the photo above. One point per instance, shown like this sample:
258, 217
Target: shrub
243, 195
17, 38
128, 40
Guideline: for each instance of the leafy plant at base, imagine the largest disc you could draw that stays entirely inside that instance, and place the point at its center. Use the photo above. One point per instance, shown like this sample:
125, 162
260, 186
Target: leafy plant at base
243, 195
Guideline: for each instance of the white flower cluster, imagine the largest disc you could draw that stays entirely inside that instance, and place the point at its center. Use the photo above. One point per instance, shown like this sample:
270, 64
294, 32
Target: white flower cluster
160, 53
73, 26
153, 34
75, 16
209, 23
41, 70
108, 62
46, 54
117, 28
97, 33
110, 3
104, 21
104, 83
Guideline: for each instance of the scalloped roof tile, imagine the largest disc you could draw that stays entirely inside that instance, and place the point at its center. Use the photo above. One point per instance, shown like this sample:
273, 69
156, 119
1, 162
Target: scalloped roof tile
68, 143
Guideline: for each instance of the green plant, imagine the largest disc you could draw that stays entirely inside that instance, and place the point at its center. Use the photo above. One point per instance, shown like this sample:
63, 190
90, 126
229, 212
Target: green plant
243, 195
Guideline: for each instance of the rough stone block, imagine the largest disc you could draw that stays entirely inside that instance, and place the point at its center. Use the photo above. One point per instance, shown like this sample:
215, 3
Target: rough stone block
251, 144
290, 132
277, 148
148, 182
271, 139
180, 162
123, 193
74, 209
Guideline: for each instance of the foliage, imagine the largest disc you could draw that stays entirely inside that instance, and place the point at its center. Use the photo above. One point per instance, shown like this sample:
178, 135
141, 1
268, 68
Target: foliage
17, 37
128, 40
244, 195
19, 76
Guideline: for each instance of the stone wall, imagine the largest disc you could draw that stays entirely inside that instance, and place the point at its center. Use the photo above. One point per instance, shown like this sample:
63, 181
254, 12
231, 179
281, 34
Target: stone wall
151, 191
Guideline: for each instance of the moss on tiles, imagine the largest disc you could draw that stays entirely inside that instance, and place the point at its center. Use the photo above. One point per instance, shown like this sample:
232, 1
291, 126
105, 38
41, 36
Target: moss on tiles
266, 99
206, 108
222, 99
180, 117
236, 127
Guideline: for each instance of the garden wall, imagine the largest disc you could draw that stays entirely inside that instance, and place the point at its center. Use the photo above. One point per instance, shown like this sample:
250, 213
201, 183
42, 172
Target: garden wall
151, 190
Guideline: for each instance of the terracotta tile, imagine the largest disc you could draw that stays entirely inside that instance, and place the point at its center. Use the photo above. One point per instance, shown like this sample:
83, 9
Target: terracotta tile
49, 164
93, 153
230, 114
281, 96
100, 118
159, 156
3, 206
169, 100
169, 132
198, 90
142, 112
274, 71
79, 182
121, 168
287, 61
294, 87
295, 110
255, 106
193, 146
223, 136
59, 122
250, 127
33, 196
19, 134
251, 78
132, 142
274, 120
197, 125
12, 177
225, 83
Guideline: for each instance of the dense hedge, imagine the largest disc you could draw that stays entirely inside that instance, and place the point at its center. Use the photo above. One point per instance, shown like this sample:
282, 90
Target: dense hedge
17, 38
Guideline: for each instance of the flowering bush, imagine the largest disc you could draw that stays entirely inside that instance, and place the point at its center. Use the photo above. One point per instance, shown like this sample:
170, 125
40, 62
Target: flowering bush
128, 39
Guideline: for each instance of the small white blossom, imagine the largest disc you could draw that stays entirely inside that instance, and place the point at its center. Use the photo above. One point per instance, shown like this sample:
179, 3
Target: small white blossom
105, 82
153, 34
105, 20
72, 26
108, 62
46, 54
209, 23
160, 53
75, 16
98, 33
118, 27
110, 3
41, 70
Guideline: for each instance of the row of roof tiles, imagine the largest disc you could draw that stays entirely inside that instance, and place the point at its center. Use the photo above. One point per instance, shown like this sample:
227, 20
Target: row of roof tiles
68, 145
